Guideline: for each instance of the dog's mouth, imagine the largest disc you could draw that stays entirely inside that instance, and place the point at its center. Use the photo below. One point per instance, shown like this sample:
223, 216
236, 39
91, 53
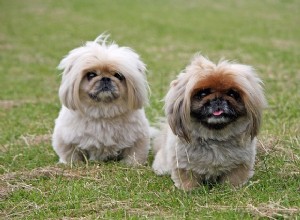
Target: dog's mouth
218, 119
104, 96
215, 117
218, 113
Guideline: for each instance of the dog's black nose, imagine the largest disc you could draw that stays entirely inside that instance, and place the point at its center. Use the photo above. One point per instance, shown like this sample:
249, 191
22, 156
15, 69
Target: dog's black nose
105, 79
105, 84
218, 102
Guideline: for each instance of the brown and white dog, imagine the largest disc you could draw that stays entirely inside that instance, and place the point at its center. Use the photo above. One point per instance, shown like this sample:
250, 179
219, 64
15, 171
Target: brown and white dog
214, 114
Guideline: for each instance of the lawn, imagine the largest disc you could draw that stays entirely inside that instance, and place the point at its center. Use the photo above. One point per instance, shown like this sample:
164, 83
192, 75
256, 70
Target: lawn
36, 34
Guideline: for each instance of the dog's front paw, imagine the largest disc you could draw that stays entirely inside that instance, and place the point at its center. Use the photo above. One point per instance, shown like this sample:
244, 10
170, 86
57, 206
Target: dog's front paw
159, 169
133, 161
239, 176
185, 179
186, 185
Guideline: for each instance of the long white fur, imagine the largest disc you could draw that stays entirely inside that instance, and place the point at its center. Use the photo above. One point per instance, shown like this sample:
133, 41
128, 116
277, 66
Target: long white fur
102, 129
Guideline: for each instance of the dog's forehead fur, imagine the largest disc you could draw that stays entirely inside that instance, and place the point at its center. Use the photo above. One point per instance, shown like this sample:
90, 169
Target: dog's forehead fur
218, 81
103, 68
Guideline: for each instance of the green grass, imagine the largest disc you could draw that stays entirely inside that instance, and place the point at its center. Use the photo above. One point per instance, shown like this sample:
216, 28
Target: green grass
35, 35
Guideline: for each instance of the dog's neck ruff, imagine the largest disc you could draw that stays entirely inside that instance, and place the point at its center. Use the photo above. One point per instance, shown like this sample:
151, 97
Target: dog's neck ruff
236, 128
106, 111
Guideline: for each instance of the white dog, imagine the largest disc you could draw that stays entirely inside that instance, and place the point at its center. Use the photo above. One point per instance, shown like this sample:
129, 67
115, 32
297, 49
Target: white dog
103, 91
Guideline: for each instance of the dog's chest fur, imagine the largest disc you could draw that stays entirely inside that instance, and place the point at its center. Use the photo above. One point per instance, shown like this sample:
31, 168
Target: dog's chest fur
107, 135
212, 158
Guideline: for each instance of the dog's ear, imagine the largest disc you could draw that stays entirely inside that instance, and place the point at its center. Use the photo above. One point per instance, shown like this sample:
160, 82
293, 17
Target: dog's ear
137, 86
69, 88
253, 96
255, 117
255, 103
137, 95
177, 109
69, 93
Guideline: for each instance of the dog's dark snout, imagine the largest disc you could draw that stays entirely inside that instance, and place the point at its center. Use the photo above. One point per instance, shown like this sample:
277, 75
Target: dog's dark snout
218, 104
105, 84
105, 79
218, 101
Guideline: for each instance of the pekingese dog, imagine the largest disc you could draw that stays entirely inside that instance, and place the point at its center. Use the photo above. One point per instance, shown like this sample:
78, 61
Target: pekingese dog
103, 91
214, 114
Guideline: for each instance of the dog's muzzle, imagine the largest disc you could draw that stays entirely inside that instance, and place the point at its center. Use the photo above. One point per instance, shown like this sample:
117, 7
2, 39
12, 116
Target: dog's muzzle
105, 85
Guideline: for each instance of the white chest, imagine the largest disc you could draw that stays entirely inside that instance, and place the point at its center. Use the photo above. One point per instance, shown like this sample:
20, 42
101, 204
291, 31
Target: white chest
116, 133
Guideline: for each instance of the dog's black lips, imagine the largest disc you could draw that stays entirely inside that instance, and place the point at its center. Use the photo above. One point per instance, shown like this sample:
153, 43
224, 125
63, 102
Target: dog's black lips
206, 112
95, 97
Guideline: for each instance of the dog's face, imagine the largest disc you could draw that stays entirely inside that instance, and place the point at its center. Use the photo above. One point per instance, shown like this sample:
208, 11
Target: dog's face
217, 101
103, 79
214, 97
103, 85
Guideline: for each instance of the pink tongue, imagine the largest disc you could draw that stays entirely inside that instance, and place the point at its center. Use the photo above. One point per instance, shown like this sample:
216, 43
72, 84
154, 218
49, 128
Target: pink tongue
218, 113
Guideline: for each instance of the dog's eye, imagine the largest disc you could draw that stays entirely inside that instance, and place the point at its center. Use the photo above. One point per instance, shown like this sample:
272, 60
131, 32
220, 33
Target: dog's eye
119, 76
90, 75
202, 93
234, 94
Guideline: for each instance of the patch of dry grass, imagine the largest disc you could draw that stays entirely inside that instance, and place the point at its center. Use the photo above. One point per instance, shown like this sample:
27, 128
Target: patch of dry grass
104, 204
